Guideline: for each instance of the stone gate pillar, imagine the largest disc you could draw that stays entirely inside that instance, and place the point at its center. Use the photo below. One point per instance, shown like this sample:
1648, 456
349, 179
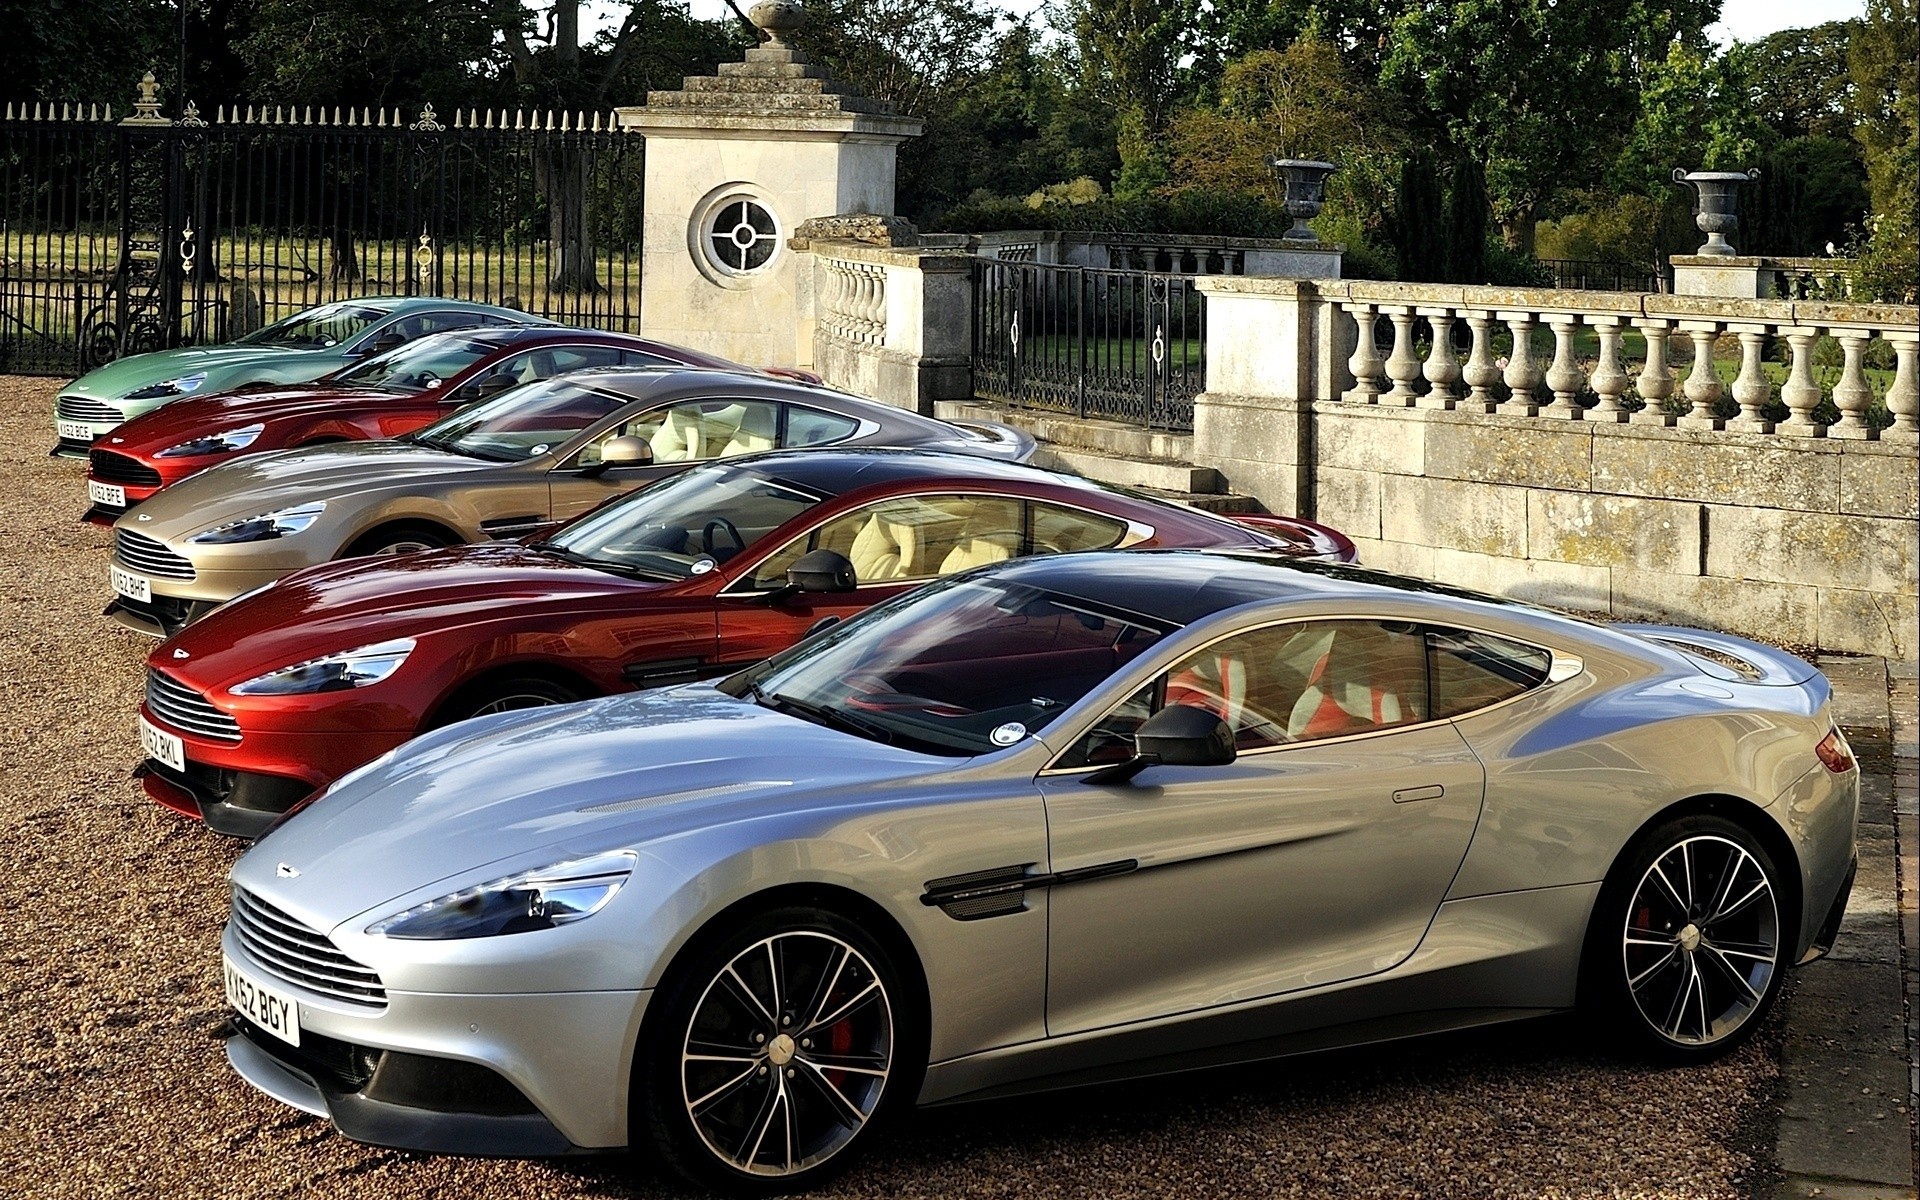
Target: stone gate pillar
735, 162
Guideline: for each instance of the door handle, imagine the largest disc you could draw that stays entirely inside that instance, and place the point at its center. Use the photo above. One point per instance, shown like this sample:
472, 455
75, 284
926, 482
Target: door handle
1432, 791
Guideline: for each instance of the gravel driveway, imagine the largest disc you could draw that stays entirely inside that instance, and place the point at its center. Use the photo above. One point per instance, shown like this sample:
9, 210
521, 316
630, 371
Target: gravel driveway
113, 1082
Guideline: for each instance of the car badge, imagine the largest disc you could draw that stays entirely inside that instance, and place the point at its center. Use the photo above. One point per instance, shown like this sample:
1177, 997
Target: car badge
182, 654
1008, 734
701, 566
142, 517
287, 871
117, 441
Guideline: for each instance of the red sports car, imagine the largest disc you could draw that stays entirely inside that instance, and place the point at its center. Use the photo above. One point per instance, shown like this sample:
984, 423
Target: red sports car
284, 690
395, 393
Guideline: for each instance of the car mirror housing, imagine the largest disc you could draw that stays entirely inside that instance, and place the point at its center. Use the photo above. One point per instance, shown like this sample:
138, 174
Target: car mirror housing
493, 385
1178, 736
620, 452
822, 571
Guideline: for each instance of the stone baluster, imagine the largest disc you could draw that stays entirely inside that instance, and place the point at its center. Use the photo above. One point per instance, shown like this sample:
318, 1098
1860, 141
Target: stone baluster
1523, 374
1655, 383
1481, 372
1443, 366
1800, 393
1852, 395
1564, 376
1609, 380
1750, 388
1903, 397
1703, 385
1403, 365
1365, 363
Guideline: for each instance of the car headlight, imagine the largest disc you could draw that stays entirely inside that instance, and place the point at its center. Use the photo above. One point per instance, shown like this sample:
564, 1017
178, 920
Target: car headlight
558, 895
264, 527
218, 443
333, 673
180, 385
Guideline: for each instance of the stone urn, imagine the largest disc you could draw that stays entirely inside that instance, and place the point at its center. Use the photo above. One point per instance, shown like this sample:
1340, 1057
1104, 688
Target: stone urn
777, 18
1716, 206
1306, 184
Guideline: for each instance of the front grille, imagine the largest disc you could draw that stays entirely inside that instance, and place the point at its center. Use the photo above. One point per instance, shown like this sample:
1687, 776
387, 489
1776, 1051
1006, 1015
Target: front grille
304, 957
183, 708
79, 408
108, 467
148, 556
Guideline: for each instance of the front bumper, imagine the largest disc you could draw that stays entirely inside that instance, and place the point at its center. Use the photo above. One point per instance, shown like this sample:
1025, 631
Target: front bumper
513, 1075
240, 788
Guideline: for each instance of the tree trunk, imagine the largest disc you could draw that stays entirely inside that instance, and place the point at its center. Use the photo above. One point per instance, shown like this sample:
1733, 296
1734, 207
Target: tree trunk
571, 263
345, 259
1516, 230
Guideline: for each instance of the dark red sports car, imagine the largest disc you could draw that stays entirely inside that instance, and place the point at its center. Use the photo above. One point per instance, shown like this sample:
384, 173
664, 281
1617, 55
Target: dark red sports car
286, 689
397, 392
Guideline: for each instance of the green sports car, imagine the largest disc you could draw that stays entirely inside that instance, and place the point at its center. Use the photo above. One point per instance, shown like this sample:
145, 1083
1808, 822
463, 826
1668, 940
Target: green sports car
299, 348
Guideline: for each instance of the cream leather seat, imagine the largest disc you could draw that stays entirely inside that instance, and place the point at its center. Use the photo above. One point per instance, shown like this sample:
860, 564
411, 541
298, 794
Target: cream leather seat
679, 438
885, 550
972, 552
754, 430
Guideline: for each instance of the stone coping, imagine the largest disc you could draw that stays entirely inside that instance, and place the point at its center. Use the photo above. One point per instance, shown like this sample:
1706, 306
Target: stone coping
1621, 429
923, 258
1897, 317
690, 121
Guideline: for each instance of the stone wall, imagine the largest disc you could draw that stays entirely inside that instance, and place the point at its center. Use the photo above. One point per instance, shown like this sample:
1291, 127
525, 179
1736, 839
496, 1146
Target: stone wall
1810, 538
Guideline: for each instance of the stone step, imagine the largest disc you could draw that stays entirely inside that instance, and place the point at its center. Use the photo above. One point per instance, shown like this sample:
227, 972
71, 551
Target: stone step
1159, 474
764, 84
1224, 503
1103, 437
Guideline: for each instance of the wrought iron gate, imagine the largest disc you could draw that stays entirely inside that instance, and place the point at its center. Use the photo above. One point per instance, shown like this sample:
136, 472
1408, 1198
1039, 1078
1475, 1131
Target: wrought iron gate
1122, 345
123, 235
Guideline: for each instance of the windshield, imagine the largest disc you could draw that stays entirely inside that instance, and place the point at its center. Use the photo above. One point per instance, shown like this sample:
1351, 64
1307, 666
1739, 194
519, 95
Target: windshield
518, 424
960, 667
685, 525
328, 325
419, 365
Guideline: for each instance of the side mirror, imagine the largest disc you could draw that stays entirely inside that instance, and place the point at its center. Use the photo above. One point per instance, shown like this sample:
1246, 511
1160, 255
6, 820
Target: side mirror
493, 385
386, 342
822, 571
621, 452
1180, 735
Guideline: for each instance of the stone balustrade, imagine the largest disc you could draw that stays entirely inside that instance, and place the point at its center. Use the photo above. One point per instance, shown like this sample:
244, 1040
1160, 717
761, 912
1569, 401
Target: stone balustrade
853, 303
1504, 371
892, 322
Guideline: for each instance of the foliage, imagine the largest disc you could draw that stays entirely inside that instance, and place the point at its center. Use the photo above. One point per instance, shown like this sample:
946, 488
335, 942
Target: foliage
366, 52
1131, 54
1694, 113
1618, 229
60, 50
1799, 83
1884, 59
1812, 193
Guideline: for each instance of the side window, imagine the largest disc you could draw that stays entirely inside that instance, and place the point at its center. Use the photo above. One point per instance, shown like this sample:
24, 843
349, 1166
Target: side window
811, 427
1065, 530
639, 358
559, 360
419, 324
697, 430
1472, 670
910, 537
1285, 684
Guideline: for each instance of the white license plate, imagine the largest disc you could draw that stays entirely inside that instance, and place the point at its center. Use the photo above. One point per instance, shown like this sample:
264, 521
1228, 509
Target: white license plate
133, 587
162, 746
110, 494
269, 1008
74, 431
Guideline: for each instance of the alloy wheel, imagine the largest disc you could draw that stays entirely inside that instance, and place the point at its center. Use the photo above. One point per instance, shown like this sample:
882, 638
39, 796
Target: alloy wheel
1702, 940
788, 1052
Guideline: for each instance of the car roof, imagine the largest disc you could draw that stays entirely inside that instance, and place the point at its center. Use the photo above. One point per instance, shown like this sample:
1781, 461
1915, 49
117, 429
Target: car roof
670, 382
1179, 587
834, 472
400, 304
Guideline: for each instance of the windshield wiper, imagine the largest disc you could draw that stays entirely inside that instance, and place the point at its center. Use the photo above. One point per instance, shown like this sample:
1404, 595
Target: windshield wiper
821, 713
600, 564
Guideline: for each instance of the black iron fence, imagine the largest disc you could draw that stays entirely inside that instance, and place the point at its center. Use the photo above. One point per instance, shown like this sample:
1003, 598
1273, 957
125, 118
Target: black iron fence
1603, 275
122, 235
1121, 345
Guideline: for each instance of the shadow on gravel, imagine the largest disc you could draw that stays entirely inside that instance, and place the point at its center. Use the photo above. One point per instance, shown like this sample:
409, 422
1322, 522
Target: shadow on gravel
1500, 1110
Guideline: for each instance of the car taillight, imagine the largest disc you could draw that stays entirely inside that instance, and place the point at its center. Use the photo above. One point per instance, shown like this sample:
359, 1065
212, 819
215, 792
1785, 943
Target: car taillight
1834, 752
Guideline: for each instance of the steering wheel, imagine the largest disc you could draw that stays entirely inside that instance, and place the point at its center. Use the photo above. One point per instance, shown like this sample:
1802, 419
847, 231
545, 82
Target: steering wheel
727, 527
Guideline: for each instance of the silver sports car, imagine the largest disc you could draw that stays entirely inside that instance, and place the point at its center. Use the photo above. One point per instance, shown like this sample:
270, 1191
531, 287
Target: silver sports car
1048, 822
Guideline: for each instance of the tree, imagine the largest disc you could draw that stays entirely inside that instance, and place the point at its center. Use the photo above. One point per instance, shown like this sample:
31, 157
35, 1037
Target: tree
59, 50
1883, 59
1133, 53
1799, 81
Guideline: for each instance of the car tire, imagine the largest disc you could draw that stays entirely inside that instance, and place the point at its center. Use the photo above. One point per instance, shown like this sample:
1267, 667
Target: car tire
400, 539
773, 1110
504, 694
1690, 939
